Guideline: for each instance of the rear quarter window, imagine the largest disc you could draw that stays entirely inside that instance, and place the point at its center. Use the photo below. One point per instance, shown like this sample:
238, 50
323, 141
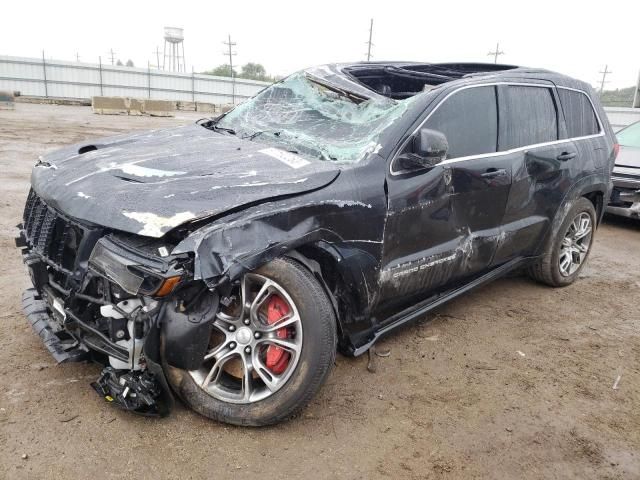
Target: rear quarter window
531, 117
579, 116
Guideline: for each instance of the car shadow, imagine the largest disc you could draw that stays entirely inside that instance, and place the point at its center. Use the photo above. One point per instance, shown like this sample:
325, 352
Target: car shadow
623, 222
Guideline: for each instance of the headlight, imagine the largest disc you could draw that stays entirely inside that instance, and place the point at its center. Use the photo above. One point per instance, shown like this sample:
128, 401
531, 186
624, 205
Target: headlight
129, 274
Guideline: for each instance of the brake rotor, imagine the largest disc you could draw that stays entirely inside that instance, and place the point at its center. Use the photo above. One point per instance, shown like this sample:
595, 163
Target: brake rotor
277, 358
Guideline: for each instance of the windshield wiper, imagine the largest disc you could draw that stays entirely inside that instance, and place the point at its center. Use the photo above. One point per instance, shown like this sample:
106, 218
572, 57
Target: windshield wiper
216, 128
212, 125
355, 98
276, 133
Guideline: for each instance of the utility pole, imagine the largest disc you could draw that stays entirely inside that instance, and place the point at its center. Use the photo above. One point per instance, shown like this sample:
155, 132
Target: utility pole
157, 52
369, 44
78, 57
496, 53
604, 73
231, 53
113, 54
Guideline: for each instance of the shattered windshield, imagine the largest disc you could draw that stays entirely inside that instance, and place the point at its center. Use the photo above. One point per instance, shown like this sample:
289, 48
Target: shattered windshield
304, 116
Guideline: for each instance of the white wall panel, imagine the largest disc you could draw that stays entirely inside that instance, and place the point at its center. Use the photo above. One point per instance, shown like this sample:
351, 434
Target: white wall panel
84, 80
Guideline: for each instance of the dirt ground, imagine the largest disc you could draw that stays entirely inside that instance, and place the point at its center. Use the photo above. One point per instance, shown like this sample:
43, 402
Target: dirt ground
515, 380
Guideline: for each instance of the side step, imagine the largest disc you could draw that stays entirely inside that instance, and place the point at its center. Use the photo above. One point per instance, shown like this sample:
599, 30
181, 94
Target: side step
421, 309
35, 310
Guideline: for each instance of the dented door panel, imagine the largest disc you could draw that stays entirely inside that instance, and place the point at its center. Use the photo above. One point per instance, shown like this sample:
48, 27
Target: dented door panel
481, 190
540, 182
420, 234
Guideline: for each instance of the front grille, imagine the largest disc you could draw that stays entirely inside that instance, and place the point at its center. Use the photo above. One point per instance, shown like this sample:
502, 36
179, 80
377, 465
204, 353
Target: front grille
50, 234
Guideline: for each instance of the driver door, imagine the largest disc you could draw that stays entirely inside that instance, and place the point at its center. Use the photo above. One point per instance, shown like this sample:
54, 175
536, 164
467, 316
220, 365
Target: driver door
444, 222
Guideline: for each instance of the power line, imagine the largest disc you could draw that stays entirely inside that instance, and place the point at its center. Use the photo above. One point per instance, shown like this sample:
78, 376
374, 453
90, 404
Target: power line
231, 54
604, 73
496, 53
369, 44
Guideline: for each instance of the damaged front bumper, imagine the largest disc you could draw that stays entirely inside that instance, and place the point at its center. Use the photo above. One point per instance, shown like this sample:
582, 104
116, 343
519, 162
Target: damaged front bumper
97, 298
62, 346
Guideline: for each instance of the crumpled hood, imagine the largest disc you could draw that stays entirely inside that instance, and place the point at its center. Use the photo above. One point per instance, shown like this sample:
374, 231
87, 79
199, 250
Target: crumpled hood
148, 183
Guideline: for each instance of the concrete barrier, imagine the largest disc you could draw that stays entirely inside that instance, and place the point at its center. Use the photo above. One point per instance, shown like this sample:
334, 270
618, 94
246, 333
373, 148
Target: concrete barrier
54, 101
186, 106
132, 106
136, 107
6, 100
159, 108
207, 107
110, 105
198, 107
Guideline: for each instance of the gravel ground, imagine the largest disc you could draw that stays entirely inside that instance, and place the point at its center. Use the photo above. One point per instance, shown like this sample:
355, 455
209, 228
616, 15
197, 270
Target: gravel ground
514, 380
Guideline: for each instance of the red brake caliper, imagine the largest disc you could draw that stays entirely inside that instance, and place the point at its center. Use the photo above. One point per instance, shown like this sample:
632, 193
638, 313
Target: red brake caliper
277, 357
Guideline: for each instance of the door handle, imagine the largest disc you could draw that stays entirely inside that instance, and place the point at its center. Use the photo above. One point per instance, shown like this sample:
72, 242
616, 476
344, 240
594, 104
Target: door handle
493, 173
564, 156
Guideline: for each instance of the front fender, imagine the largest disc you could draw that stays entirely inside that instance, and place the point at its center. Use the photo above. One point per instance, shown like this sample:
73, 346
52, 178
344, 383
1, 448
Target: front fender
230, 247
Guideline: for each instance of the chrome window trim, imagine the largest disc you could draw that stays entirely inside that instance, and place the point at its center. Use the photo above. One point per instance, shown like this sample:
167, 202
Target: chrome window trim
504, 152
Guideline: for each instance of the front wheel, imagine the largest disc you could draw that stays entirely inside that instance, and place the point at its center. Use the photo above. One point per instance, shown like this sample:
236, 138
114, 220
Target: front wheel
271, 348
568, 247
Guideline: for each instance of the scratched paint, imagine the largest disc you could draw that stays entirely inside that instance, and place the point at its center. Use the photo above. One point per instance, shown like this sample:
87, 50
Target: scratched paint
156, 226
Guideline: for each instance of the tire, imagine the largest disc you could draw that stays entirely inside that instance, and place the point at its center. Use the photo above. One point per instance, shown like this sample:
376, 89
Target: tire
313, 362
548, 268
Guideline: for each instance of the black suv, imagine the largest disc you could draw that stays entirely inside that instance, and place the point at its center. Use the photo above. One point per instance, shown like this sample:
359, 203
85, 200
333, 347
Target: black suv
228, 260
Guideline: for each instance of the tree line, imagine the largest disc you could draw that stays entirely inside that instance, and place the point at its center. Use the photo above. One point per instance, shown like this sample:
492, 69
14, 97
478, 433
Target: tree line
250, 71
620, 97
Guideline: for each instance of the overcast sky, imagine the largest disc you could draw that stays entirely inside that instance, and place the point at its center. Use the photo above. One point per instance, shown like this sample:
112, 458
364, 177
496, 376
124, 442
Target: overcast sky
573, 37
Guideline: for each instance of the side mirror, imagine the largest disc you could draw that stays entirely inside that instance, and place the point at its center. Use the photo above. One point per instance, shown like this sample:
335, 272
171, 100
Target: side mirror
429, 148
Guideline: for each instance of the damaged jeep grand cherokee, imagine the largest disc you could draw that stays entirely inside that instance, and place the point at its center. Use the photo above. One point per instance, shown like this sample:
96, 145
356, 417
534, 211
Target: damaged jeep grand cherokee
227, 261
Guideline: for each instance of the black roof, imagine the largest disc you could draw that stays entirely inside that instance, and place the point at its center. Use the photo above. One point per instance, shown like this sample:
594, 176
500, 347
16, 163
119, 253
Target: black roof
400, 79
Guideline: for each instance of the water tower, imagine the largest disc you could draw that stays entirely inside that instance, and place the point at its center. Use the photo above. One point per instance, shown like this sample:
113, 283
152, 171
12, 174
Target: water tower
174, 39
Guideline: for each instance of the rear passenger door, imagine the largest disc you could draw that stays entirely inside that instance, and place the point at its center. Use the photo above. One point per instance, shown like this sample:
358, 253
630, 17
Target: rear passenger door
531, 137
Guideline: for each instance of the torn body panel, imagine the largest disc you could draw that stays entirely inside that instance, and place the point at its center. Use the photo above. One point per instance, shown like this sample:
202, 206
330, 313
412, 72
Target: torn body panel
328, 220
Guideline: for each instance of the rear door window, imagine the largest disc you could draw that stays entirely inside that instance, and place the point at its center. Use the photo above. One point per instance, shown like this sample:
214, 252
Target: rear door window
531, 117
469, 120
579, 116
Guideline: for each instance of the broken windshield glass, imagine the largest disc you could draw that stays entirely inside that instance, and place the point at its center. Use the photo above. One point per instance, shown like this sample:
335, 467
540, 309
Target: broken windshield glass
307, 117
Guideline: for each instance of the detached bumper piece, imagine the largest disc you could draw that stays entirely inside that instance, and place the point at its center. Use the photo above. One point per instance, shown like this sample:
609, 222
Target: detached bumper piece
137, 392
63, 347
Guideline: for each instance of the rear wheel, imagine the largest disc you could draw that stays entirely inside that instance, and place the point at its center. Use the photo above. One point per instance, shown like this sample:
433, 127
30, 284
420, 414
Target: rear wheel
568, 248
271, 348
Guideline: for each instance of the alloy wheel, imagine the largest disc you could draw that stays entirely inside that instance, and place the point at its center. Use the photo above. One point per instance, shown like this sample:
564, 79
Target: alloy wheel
575, 244
255, 344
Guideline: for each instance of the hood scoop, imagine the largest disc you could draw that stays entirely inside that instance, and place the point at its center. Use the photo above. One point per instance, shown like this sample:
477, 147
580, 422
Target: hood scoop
86, 148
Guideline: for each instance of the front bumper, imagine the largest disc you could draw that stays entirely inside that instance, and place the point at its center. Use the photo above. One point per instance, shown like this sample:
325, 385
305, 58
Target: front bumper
60, 344
625, 197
